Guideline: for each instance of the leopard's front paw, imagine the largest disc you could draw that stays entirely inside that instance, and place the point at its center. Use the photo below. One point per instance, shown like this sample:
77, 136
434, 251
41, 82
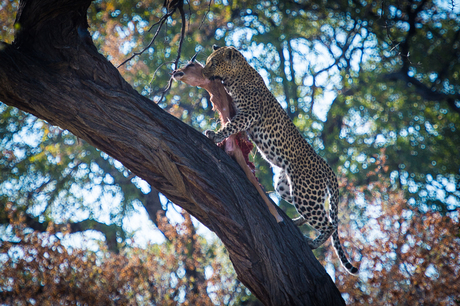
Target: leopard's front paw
213, 136
210, 134
311, 243
299, 221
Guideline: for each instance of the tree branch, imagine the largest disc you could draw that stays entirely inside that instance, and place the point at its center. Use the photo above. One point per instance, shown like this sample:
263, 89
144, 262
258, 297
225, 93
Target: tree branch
424, 91
109, 231
53, 71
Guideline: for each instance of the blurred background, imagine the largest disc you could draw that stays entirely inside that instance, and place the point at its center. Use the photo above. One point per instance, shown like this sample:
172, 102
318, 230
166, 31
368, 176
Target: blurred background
373, 86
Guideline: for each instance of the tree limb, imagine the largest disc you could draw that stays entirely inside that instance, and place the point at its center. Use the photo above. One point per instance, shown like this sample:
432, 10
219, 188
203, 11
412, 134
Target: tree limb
424, 91
109, 231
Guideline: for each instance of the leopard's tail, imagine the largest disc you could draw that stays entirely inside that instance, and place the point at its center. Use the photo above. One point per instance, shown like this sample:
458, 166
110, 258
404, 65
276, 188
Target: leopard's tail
341, 254
334, 215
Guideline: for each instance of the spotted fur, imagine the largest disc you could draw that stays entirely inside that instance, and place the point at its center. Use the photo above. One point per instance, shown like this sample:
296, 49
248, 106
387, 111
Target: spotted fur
305, 179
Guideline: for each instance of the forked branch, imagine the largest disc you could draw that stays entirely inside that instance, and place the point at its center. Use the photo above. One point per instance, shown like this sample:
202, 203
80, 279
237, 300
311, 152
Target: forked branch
171, 7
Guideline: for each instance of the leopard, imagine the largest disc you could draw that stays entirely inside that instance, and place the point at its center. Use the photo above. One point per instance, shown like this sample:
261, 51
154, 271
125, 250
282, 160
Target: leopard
304, 179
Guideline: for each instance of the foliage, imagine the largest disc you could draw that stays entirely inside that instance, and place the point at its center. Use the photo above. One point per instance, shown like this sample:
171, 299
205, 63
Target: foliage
39, 269
49, 174
364, 81
7, 29
408, 256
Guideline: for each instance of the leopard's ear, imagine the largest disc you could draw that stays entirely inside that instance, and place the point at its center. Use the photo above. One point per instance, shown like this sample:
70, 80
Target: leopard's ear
215, 47
229, 54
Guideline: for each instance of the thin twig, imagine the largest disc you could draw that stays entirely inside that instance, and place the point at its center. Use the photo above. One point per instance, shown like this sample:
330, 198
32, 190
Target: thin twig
156, 70
180, 6
153, 25
171, 10
167, 88
161, 22
182, 34
205, 14
189, 10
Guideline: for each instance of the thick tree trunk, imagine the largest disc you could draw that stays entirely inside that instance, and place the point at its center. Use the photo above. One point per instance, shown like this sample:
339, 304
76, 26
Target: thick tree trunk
53, 71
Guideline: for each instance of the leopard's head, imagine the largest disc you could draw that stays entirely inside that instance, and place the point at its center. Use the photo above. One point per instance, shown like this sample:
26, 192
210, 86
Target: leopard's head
224, 63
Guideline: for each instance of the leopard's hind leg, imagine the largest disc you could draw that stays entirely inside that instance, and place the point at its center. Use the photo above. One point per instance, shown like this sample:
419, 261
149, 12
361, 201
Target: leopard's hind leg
309, 202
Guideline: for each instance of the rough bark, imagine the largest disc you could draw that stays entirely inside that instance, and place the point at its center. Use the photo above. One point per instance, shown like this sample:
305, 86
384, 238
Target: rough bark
53, 71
